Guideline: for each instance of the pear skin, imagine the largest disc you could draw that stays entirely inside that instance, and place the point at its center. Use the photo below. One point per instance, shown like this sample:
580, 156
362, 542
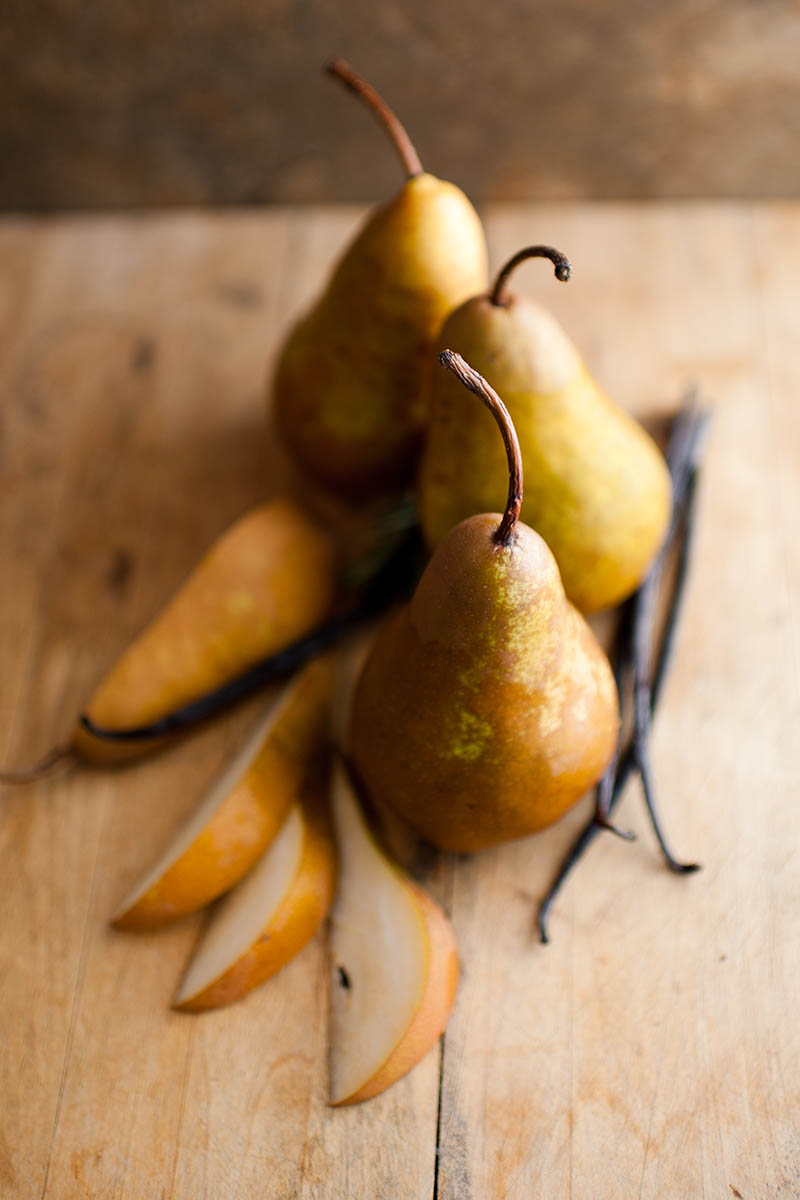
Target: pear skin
598, 490
348, 385
267, 581
486, 708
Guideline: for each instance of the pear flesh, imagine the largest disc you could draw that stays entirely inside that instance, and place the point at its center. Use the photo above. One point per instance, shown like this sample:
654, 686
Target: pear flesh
395, 964
348, 384
486, 708
597, 487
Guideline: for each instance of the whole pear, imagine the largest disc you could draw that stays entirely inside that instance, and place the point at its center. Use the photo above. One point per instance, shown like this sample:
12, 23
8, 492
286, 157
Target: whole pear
598, 488
347, 390
486, 707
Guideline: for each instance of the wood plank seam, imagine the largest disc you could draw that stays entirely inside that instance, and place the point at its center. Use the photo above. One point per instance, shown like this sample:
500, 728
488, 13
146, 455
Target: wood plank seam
76, 995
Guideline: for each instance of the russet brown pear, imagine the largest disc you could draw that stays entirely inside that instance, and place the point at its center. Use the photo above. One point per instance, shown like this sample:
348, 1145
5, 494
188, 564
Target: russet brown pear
486, 707
598, 489
347, 389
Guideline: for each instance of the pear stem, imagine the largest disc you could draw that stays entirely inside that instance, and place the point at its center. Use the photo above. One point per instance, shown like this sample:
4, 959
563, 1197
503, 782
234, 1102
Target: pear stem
61, 758
342, 71
480, 388
500, 297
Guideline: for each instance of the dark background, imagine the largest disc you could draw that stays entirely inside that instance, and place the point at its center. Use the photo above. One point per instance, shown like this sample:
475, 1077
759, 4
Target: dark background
110, 103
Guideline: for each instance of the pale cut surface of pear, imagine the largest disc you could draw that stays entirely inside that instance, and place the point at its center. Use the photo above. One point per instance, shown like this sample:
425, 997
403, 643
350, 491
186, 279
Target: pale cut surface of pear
395, 964
597, 488
268, 917
243, 809
266, 582
348, 387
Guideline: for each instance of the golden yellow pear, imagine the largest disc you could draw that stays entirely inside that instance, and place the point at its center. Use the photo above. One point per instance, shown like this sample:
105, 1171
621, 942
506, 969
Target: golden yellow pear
598, 489
347, 390
486, 707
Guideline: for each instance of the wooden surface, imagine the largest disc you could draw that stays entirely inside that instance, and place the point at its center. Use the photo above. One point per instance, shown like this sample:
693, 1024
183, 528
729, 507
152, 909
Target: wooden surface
653, 1049
222, 101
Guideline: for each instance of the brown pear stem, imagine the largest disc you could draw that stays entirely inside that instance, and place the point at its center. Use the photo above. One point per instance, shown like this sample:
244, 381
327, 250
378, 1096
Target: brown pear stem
480, 388
397, 132
61, 758
498, 295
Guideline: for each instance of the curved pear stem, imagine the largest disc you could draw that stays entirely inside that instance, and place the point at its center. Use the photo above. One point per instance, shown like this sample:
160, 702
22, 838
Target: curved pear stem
480, 388
61, 758
397, 132
563, 270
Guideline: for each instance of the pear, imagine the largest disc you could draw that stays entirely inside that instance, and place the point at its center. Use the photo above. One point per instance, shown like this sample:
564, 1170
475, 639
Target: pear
347, 390
269, 580
243, 809
486, 707
395, 964
598, 490
272, 914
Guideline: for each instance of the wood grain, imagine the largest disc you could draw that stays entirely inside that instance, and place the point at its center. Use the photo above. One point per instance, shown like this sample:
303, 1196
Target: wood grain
679, 1074
652, 1049
223, 102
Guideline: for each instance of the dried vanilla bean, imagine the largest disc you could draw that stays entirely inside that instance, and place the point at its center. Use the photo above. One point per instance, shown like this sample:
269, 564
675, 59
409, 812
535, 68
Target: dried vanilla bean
393, 578
634, 653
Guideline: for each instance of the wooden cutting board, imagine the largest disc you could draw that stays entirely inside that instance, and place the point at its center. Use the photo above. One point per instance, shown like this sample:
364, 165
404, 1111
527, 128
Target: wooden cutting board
653, 1048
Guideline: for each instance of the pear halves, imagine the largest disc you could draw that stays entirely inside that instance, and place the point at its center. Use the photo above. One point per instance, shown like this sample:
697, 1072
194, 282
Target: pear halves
267, 581
348, 381
486, 707
598, 488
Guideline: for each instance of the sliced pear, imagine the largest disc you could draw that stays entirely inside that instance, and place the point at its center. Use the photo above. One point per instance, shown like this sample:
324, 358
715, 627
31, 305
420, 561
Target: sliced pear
268, 580
395, 964
270, 916
243, 809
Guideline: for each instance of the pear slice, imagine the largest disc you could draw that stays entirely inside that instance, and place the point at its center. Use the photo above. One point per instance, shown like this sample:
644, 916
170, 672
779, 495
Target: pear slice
395, 964
242, 810
268, 917
268, 580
